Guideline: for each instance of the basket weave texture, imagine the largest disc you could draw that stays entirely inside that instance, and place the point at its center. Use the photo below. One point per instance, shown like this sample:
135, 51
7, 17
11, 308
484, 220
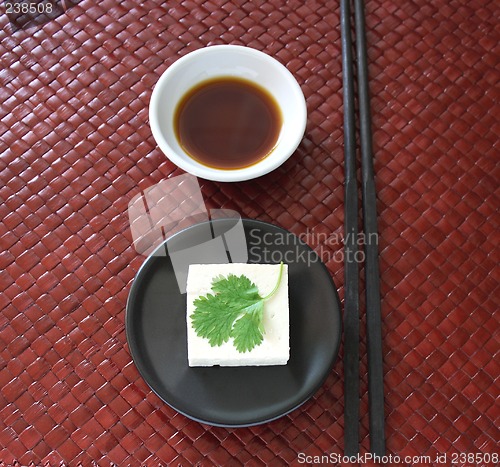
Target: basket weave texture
76, 147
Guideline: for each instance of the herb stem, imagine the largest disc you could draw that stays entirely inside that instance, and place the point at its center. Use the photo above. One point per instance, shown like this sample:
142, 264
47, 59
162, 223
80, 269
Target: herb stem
269, 295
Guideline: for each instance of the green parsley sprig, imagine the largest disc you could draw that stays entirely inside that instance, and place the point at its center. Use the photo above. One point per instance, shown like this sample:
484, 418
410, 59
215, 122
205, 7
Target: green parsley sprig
235, 310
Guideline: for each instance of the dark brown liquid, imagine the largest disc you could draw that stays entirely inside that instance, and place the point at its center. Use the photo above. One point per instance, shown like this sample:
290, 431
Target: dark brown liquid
227, 123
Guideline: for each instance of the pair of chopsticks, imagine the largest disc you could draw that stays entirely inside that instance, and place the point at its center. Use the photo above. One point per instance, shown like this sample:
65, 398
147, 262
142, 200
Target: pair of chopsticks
372, 278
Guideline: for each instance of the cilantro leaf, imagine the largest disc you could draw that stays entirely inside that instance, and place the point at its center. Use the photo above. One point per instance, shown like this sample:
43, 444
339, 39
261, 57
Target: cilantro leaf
235, 310
213, 319
247, 331
235, 287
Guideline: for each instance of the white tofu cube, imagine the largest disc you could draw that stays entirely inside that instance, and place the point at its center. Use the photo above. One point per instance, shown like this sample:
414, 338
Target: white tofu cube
274, 349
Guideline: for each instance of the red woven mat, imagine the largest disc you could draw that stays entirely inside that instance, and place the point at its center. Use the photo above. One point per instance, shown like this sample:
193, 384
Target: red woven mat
76, 147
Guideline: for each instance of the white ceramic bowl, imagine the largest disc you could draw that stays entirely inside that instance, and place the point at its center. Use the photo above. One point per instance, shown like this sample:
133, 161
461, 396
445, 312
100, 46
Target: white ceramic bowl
222, 61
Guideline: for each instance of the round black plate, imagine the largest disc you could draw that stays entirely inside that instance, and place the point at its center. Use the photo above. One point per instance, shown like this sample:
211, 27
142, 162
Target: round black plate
235, 396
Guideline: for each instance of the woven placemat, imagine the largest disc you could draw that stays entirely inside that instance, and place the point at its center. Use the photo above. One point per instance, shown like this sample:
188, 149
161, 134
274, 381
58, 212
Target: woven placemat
76, 147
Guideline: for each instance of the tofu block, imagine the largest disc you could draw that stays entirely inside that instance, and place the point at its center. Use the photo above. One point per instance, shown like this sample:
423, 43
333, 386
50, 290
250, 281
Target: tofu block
274, 349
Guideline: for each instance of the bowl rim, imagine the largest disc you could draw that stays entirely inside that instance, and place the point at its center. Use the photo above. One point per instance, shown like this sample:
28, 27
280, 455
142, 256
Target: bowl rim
260, 168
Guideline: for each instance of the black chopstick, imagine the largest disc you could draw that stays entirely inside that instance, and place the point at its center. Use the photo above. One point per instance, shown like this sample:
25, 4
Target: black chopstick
372, 275
351, 274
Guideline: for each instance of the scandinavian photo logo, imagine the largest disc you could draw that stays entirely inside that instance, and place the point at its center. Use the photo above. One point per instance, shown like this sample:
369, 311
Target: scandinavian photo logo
171, 206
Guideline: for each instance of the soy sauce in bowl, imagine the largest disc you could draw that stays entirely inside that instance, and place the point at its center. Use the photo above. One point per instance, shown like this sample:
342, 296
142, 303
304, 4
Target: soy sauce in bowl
227, 123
